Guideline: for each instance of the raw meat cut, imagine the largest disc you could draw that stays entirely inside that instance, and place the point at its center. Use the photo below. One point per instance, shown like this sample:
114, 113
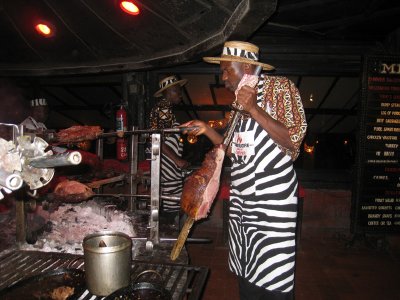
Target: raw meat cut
78, 133
201, 186
72, 191
199, 191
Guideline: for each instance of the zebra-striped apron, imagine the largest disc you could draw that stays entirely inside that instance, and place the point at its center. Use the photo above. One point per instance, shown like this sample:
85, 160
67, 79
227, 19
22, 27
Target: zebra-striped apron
171, 175
263, 209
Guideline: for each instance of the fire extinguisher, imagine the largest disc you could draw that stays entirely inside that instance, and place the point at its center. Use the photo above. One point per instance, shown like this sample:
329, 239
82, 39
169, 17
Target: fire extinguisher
121, 126
121, 120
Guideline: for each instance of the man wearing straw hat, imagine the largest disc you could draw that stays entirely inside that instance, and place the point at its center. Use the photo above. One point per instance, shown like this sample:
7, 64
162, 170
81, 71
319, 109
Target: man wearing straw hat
161, 117
263, 193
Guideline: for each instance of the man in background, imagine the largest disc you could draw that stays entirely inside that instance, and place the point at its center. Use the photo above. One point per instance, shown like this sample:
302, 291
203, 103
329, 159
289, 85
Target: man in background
172, 163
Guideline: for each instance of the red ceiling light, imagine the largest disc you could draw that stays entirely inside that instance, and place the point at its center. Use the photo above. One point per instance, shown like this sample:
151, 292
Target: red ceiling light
129, 7
44, 29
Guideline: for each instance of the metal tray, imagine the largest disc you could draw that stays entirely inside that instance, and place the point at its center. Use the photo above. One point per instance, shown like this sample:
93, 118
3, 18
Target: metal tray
41, 286
141, 290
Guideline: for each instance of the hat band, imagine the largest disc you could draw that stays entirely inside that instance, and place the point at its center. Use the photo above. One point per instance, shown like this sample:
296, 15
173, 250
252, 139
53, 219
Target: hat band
231, 51
38, 102
167, 82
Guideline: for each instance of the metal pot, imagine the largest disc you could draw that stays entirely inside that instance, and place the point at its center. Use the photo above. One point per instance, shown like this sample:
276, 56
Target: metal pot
108, 256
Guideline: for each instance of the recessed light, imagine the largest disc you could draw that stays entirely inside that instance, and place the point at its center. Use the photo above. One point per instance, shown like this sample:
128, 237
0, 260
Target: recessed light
129, 7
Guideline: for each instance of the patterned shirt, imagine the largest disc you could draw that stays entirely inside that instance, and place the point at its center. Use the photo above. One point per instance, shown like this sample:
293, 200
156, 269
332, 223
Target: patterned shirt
283, 103
161, 115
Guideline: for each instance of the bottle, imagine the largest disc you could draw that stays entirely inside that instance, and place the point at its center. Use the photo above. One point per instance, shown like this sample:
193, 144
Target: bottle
121, 126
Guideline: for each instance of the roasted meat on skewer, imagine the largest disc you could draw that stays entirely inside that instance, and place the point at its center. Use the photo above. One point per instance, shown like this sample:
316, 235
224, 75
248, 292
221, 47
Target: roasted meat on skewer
78, 134
199, 191
202, 186
72, 191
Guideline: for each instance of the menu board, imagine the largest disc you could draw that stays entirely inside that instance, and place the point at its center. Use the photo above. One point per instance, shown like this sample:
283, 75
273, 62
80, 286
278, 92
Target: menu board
376, 199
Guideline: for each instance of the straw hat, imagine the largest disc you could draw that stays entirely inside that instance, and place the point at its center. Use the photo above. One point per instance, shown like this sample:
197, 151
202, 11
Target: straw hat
168, 82
241, 52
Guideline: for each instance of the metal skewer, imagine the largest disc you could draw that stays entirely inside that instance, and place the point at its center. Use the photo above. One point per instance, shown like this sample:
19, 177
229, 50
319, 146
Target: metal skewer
172, 198
190, 240
59, 160
149, 131
236, 117
229, 132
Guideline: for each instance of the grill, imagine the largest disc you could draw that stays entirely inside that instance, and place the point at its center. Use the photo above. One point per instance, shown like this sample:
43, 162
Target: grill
182, 281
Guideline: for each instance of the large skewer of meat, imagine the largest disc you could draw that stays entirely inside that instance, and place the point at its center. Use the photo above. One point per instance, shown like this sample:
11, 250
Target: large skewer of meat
198, 193
72, 191
202, 186
78, 133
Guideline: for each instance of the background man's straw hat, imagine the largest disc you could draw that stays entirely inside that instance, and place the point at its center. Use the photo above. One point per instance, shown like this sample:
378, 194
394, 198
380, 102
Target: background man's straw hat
168, 82
241, 52
38, 102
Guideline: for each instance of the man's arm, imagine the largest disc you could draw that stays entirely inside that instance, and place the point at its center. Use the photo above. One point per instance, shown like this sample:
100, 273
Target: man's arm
276, 130
247, 97
203, 128
286, 124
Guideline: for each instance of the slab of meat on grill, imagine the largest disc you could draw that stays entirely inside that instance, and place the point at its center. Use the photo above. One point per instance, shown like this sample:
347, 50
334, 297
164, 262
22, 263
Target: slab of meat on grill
72, 191
201, 186
78, 134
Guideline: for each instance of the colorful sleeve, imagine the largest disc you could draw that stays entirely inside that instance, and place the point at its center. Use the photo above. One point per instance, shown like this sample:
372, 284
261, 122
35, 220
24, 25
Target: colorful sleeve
288, 109
154, 117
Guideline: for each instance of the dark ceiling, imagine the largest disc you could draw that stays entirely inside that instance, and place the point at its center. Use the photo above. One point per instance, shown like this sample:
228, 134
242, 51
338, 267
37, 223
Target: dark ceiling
329, 36
92, 36
84, 68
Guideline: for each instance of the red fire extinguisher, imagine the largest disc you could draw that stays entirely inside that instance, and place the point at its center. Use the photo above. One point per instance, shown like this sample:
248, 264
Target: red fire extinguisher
122, 122
121, 126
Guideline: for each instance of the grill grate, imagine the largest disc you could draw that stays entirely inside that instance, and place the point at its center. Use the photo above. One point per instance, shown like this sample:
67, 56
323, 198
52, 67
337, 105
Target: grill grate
183, 282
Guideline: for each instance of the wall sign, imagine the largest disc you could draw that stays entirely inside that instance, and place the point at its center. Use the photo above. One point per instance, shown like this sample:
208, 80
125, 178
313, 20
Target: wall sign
376, 194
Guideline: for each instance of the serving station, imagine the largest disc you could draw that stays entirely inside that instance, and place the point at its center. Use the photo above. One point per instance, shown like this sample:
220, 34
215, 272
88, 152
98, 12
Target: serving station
49, 244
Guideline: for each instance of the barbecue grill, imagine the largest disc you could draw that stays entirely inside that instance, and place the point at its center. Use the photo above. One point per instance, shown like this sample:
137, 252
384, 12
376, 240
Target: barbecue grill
180, 280
20, 264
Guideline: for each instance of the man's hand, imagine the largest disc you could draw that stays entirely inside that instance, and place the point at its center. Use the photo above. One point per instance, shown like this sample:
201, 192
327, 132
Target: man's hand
201, 127
247, 98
